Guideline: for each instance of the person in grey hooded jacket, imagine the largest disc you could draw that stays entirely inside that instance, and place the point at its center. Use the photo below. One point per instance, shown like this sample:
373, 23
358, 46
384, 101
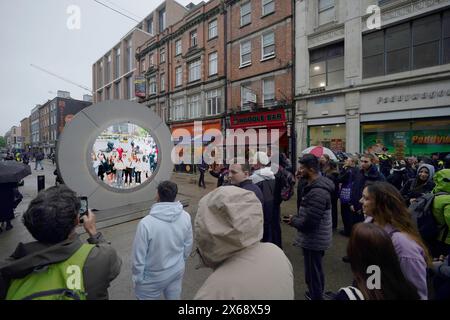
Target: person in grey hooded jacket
161, 247
313, 223
421, 184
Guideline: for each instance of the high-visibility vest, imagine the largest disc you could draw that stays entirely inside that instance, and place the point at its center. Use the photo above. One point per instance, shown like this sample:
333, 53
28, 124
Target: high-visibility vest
58, 281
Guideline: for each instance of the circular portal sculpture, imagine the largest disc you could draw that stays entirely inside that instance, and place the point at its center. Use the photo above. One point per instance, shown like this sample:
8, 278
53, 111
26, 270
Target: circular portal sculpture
109, 120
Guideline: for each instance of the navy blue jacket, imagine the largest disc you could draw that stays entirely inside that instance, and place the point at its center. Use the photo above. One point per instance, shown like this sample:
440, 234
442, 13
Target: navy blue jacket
248, 185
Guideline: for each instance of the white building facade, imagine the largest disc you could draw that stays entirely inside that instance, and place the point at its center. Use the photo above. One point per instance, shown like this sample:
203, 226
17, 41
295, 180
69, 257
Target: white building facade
361, 86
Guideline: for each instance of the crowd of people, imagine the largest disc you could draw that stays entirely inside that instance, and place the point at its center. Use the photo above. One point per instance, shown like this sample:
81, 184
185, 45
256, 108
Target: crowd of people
387, 215
124, 168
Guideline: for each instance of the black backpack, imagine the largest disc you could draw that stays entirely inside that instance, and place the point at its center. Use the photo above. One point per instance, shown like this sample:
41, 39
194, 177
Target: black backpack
422, 214
287, 181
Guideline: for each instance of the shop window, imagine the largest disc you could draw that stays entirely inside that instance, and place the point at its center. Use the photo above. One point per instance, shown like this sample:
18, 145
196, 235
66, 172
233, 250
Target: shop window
407, 138
329, 136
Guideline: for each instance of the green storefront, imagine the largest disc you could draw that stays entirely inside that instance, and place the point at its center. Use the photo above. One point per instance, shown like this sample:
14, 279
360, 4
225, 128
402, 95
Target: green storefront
407, 138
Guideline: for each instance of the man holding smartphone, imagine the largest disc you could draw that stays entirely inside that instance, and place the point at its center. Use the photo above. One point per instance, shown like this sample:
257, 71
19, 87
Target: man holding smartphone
76, 270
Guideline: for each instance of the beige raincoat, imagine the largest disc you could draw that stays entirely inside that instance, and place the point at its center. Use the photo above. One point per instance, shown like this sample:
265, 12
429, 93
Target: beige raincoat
228, 230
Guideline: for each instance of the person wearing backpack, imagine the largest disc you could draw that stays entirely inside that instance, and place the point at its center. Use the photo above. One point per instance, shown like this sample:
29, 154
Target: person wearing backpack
441, 211
284, 189
416, 187
264, 178
370, 245
384, 206
73, 269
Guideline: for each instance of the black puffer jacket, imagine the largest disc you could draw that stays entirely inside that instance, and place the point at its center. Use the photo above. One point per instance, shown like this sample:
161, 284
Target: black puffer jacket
313, 220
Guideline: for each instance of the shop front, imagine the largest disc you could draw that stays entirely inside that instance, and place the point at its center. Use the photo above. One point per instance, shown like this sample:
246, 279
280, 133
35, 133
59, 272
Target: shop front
329, 136
187, 145
269, 120
415, 137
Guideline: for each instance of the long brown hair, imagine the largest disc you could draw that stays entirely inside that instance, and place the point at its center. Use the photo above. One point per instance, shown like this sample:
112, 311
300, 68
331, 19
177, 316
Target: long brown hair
390, 209
370, 245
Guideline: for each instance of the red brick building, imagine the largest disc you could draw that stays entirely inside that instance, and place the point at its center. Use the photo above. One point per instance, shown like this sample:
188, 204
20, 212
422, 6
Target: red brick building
260, 66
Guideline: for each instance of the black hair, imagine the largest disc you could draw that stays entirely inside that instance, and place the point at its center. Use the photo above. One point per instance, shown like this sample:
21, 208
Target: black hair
447, 161
167, 191
310, 161
51, 216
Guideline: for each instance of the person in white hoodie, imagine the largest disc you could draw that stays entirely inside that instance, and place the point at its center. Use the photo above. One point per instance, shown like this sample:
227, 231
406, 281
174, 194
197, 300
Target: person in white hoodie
161, 246
264, 178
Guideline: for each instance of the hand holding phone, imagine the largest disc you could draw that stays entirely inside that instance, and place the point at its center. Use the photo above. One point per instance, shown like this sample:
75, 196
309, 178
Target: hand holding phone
83, 207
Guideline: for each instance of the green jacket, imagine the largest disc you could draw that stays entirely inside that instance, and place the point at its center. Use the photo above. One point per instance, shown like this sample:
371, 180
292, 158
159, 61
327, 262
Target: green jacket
441, 204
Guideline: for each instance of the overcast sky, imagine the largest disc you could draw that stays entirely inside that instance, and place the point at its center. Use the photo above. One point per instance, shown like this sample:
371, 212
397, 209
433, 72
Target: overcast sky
36, 32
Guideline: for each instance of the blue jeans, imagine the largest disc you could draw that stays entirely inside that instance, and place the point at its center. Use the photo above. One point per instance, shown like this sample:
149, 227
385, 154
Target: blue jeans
171, 288
40, 164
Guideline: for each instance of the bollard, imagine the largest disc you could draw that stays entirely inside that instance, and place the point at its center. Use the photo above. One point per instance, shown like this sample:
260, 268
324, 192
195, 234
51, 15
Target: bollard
41, 182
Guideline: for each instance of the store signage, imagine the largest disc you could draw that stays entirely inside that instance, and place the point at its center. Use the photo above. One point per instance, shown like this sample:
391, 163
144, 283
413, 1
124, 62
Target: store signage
274, 118
431, 139
140, 87
417, 96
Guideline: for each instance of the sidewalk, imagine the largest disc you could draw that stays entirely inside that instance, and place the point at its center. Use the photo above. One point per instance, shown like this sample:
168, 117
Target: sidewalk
337, 274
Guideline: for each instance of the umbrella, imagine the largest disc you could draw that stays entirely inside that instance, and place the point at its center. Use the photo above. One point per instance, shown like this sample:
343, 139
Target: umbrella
319, 151
13, 171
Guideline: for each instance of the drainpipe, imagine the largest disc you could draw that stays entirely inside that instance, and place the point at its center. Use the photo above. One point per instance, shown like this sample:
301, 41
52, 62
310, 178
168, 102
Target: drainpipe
293, 106
225, 27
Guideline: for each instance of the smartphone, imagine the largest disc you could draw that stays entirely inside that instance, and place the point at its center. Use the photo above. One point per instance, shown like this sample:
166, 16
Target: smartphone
84, 206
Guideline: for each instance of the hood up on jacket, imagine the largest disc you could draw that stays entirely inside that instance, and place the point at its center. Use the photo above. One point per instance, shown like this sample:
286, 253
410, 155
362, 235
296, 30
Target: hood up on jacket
228, 220
167, 211
430, 171
262, 174
442, 180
